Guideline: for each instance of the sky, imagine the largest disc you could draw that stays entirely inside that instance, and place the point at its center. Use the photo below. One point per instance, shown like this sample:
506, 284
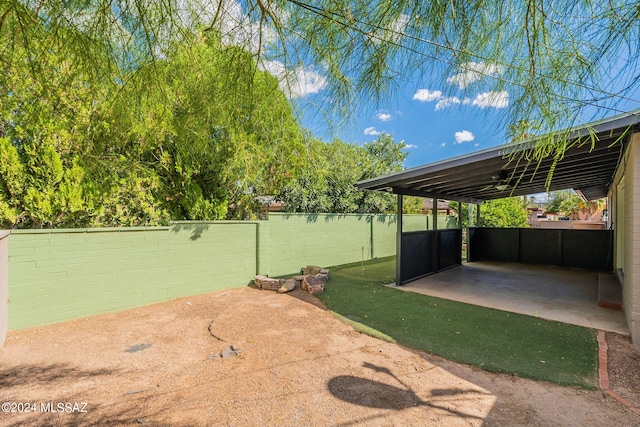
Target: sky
433, 126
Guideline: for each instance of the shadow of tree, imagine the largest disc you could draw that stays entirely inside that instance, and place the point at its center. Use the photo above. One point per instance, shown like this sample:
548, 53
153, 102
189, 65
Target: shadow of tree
27, 374
371, 393
195, 228
130, 409
379, 395
96, 415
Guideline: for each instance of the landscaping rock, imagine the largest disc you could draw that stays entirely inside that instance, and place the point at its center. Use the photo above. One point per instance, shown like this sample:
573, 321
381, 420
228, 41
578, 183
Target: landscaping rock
323, 277
313, 284
230, 352
310, 270
312, 280
289, 285
267, 283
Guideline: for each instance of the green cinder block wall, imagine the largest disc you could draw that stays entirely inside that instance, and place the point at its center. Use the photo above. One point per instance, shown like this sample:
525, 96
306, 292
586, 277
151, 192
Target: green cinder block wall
296, 240
57, 275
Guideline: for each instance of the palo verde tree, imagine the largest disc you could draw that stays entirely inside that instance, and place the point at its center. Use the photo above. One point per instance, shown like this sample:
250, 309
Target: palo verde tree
548, 60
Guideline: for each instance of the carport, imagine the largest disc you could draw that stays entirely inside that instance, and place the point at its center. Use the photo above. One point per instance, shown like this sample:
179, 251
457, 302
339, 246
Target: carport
587, 166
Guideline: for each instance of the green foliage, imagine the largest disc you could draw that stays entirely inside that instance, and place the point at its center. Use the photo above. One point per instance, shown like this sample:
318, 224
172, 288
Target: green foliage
504, 213
217, 141
507, 212
184, 139
58, 163
412, 205
555, 200
572, 205
164, 102
553, 61
326, 183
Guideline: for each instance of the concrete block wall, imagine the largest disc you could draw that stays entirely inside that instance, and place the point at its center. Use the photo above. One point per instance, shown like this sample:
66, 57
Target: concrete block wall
425, 222
290, 241
296, 240
631, 286
57, 275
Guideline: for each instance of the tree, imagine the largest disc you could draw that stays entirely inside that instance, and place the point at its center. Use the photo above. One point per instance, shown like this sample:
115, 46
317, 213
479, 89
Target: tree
555, 200
54, 170
217, 141
571, 206
326, 183
554, 60
507, 212
185, 147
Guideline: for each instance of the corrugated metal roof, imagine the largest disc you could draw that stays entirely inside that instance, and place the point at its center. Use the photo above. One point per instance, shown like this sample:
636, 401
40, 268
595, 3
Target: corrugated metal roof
588, 167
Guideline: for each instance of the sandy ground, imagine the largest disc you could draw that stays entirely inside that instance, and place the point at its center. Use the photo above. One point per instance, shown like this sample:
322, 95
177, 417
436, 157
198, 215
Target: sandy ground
298, 366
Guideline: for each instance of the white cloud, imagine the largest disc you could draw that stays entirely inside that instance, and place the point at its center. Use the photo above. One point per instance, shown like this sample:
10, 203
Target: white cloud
409, 146
307, 81
385, 117
298, 82
471, 72
393, 33
492, 99
238, 29
447, 102
372, 131
425, 95
464, 136
443, 144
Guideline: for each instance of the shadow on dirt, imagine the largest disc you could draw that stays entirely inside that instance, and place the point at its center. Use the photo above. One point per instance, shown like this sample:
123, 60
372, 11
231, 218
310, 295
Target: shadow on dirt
36, 374
376, 394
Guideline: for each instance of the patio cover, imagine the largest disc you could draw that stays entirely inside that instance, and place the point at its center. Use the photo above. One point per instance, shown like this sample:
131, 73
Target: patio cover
588, 167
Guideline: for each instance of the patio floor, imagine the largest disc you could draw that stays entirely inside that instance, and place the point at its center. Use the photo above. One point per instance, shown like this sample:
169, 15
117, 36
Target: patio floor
553, 293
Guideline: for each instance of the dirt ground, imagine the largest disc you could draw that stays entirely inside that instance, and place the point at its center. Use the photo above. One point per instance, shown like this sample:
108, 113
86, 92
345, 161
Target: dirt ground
298, 366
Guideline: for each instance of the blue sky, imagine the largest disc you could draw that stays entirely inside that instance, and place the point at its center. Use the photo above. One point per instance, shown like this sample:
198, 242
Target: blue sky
433, 126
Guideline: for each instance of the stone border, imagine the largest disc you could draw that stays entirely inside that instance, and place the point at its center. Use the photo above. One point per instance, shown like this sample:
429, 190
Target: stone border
603, 373
312, 280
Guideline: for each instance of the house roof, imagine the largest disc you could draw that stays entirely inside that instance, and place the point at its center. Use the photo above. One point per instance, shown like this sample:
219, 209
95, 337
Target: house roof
588, 167
427, 204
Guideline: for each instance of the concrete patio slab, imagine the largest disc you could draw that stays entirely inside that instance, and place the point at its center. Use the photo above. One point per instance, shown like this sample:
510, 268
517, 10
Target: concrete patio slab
553, 293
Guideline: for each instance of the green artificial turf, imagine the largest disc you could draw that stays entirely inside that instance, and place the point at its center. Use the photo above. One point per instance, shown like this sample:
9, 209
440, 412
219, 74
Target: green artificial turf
494, 340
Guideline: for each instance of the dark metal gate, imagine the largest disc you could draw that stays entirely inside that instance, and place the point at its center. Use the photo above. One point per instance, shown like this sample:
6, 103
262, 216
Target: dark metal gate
426, 252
